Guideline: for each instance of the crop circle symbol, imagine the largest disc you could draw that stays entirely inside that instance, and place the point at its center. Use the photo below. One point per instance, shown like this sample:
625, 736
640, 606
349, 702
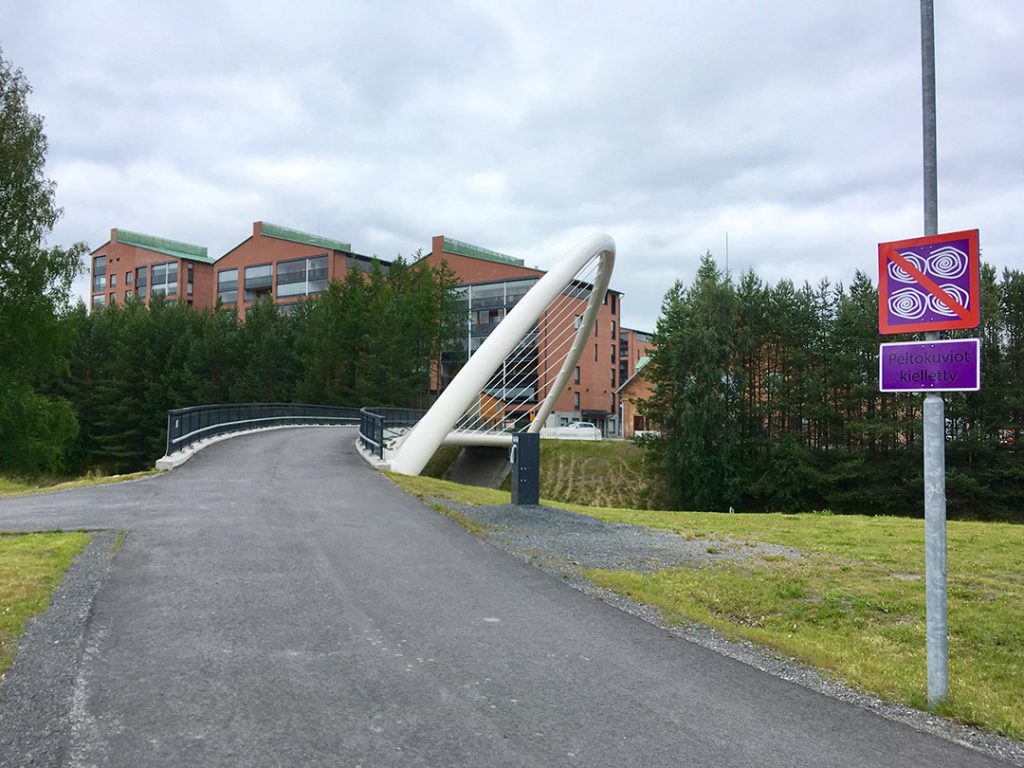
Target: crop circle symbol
907, 304
958, 294
947, 263
900, 275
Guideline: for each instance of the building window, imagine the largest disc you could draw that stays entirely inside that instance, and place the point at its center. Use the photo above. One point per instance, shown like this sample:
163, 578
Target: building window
596, 326
165, 279
227, 286
99, 300
141, 275
614, 312
302, 277
576, 400
258, 281
128, 295
613, 404
576, 376
113, 280
188, 279
595, 353
127, 278
613, 352
99, 274
113, 299
613, 378
357, 263
613, 329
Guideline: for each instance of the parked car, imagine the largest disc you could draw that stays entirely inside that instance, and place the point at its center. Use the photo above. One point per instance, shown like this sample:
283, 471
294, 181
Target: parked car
581, 425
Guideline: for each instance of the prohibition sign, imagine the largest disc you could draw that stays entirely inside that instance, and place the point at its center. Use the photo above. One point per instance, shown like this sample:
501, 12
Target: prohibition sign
928, 283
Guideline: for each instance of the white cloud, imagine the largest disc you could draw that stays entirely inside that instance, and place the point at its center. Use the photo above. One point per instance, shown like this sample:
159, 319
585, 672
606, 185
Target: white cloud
793, 127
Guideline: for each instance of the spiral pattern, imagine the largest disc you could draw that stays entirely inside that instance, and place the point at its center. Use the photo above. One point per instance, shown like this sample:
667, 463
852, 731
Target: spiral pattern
907, 304
897, 273
947, 263
958, 294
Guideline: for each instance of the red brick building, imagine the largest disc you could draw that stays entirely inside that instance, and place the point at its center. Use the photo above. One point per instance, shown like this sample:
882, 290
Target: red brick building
284, 264
636, 389
131, 264
491, 284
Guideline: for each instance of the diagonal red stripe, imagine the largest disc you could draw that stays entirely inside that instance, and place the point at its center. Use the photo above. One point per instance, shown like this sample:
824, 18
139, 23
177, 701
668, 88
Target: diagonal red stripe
928, 284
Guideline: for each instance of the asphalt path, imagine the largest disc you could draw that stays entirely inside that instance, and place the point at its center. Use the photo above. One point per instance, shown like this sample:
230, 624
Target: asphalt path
279, 603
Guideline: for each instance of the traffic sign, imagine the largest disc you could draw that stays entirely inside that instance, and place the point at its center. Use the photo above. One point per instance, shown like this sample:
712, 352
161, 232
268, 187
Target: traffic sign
928, 283
951, 365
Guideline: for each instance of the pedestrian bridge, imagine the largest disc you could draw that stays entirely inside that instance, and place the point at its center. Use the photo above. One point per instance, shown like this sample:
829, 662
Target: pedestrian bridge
510, 384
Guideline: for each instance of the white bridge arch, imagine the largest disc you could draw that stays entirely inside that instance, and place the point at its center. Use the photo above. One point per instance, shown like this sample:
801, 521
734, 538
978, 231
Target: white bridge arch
415, 449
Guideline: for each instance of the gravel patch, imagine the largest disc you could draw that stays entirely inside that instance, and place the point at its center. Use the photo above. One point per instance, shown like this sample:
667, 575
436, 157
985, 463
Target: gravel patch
562, 543
566, 538
36, 694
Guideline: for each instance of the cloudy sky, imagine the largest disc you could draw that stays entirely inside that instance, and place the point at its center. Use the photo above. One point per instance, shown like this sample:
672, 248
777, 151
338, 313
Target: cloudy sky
794, 126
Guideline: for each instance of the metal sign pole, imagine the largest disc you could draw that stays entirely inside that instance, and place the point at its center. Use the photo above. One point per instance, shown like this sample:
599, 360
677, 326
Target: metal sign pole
934, 406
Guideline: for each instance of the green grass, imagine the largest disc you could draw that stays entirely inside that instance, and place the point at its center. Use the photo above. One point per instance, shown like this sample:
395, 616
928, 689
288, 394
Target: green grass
852, 605
610, 473
10, 487
31, 567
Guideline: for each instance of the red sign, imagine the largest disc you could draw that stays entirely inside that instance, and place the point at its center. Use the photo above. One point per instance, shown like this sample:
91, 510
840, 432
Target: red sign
928, 283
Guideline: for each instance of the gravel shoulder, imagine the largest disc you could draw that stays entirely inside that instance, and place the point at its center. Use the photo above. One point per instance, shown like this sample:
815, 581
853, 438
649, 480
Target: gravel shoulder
563, 543
38, 691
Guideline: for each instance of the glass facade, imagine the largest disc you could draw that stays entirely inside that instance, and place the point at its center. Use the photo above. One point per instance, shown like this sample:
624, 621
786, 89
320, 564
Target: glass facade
165, 279
227, 286
302, 277
141, 281
99, 273
258, 281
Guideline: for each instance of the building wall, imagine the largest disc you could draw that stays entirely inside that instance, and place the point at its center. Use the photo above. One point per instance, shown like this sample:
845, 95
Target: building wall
126, 258
261, 249
636, 390
594, 396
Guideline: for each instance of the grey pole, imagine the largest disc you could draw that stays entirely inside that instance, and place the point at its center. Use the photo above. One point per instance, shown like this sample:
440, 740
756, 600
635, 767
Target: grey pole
934, 407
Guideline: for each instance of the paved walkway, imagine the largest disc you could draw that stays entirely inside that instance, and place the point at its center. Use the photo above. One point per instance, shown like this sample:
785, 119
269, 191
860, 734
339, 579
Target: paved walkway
278, 603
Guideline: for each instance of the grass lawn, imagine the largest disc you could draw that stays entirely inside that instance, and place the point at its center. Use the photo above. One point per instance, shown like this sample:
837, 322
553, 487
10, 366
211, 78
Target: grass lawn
32, 565
851, 606
10, 487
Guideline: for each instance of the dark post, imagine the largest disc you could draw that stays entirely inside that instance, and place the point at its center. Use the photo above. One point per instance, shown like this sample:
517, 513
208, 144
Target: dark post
525, 458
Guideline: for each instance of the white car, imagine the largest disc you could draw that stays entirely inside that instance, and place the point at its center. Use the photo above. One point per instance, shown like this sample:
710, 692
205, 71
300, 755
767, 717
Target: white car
581, 425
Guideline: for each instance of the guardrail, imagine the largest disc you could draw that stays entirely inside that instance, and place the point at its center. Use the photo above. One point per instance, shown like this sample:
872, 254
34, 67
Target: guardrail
376, 425
186, 426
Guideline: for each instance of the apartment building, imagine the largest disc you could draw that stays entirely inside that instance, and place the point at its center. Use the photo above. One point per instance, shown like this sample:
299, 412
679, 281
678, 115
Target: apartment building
635, 390
285, 264
132, 264
491, 283
633, 347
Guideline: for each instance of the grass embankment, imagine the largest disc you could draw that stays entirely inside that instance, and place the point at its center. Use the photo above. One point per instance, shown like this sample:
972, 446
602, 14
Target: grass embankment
852, 605
32, 565
10, 487
607, 473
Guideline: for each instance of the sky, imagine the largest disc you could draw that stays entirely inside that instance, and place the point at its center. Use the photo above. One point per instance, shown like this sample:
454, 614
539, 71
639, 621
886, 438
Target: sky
783, 137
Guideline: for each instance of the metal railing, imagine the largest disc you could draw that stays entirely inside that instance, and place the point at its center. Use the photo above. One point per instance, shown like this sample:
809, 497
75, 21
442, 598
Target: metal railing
379, 425
186, 426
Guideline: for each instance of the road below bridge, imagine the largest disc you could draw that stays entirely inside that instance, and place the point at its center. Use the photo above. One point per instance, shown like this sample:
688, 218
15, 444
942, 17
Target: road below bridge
279, 603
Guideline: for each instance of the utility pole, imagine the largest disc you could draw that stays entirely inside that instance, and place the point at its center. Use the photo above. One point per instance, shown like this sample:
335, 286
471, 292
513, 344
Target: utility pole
934, 406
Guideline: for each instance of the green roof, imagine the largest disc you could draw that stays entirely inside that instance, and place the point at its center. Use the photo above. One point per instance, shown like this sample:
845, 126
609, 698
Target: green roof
175, 248
284, 233
475, 251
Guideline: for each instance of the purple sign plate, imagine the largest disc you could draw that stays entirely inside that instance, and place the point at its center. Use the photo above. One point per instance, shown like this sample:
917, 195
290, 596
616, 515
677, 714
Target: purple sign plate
930, 366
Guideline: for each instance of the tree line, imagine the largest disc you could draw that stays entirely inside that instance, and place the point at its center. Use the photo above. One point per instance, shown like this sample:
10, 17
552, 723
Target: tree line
367, 340
768, 399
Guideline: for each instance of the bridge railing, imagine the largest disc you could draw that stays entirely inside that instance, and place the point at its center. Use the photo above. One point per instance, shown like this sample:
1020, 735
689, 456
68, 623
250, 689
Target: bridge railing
378, 425
186, 426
